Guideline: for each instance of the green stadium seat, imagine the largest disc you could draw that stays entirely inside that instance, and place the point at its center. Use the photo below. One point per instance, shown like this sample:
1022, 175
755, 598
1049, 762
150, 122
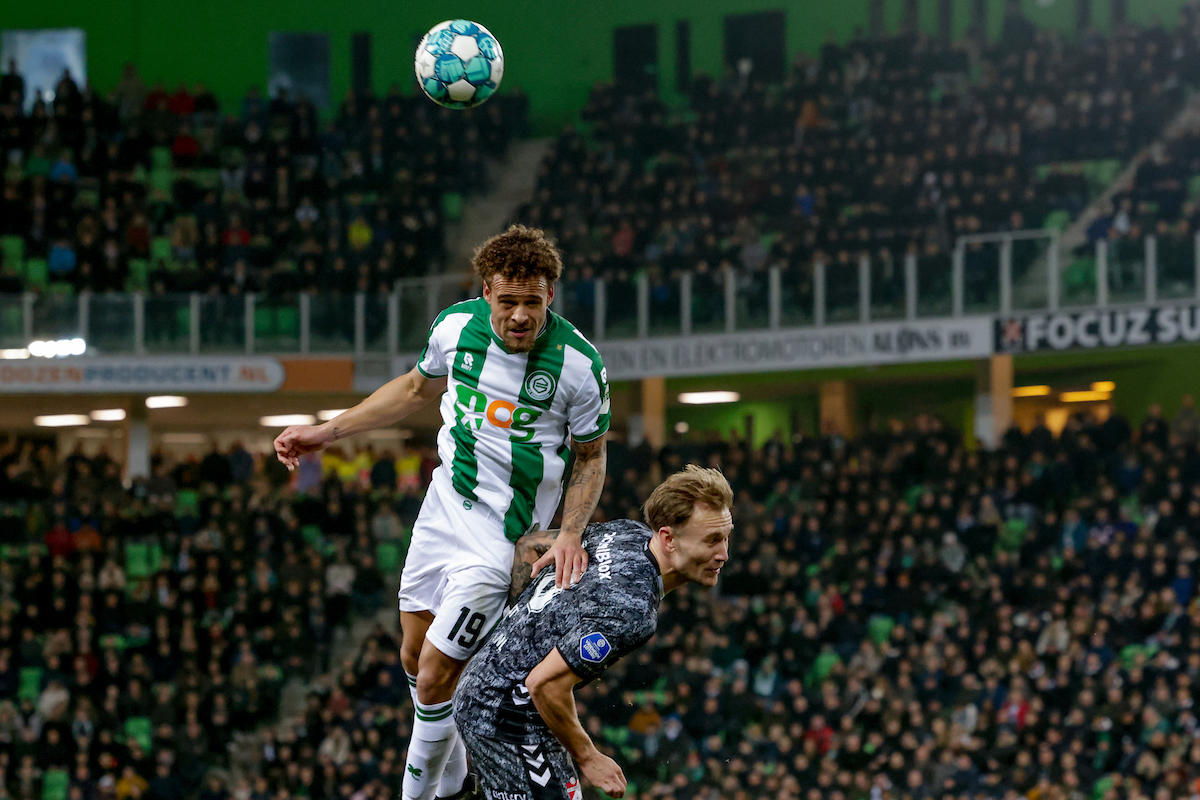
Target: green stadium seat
137, 560
1080, 275
1057, 220
55, 783
12, 321
823, 665
313, 535
160, 158
452, 206
139, 275
1194, 187
161, 180
140, 730
187, 503
183, 321
879, 628
160, 248
88, 198
287, 321
13, 248
1107, 171
60, 289
387, 556
264, 321
37, 274
29, 684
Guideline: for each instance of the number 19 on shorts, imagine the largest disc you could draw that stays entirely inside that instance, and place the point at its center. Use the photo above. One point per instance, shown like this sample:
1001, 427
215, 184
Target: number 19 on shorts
472, 629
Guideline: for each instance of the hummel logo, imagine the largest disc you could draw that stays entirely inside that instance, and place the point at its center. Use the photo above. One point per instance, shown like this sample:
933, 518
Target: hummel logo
416, 772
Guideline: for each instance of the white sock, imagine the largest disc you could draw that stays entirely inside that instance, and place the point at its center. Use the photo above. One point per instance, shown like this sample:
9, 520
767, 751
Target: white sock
433, 735
455, 773
412, 687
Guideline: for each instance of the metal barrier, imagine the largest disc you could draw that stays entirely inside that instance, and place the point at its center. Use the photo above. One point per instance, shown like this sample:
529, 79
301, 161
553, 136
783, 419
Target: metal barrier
984, 274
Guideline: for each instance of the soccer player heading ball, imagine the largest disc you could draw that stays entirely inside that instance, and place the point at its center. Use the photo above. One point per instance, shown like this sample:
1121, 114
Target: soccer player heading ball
517, 382
515, 703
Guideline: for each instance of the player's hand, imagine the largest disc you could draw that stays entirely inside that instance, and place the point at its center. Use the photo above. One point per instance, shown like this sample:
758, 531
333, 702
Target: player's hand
569, 558
300, 440
604, 773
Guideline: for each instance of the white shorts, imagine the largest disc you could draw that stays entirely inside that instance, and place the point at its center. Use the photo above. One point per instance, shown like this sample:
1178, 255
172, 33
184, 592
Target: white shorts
459, 566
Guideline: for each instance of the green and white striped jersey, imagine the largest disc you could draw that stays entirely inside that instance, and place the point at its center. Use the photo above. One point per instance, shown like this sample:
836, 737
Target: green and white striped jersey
507, 415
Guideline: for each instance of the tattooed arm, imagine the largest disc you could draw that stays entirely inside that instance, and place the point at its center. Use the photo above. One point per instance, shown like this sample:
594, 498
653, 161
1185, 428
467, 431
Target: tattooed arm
583, 492
529, 549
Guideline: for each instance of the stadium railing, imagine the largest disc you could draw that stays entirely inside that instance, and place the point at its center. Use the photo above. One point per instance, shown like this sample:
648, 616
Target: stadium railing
984, 274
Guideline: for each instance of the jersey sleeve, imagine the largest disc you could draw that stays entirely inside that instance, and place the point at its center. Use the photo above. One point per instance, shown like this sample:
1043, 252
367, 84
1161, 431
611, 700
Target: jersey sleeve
432, 362
588, 412
596, 643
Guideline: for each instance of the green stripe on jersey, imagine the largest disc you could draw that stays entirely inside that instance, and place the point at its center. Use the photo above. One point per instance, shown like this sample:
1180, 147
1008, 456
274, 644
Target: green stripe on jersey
540, 385
469, 355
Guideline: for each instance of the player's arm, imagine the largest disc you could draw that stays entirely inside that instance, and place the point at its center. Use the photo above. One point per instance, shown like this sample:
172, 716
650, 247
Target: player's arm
529, 549
387, 405
551, 686
583, 493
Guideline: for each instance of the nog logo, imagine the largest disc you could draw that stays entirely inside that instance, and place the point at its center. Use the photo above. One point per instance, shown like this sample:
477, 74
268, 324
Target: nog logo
472, 408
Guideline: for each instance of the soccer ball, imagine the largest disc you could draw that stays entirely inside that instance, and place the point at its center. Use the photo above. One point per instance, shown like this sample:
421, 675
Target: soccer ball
459, 64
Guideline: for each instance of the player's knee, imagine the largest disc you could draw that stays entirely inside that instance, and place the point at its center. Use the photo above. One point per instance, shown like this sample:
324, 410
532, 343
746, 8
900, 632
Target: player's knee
410, 659
436, 679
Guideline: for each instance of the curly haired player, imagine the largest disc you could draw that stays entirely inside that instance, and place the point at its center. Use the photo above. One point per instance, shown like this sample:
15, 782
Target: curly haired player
518, 383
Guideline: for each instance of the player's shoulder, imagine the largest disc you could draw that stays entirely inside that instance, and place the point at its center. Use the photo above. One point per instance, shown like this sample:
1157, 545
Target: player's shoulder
566, 334
617, 528
461, 309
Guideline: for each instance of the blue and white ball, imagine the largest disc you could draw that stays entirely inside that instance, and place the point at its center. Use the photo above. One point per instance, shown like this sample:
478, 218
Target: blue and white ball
459, 63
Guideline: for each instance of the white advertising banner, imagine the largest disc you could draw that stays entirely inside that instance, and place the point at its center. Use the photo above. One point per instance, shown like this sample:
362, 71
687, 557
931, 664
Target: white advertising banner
798, 349
149, 375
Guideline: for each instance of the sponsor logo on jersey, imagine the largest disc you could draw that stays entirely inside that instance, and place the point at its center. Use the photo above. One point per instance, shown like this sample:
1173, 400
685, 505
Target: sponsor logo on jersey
495, 795
594, 648
604, 557
540, 385
520, 695
574, 792
472, 408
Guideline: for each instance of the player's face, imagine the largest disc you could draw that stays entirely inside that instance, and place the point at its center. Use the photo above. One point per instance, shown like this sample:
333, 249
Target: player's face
519, 309
701, 545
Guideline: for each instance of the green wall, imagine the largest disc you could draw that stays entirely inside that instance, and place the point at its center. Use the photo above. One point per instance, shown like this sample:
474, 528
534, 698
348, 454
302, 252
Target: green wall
554, 50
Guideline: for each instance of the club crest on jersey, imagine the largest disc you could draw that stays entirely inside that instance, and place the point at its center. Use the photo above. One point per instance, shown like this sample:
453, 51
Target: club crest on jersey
468, 361
573, 790
540, 385
594, 648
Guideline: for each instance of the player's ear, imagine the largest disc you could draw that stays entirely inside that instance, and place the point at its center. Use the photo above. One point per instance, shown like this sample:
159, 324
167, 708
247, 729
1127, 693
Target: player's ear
487, 290
668, 538
550, 295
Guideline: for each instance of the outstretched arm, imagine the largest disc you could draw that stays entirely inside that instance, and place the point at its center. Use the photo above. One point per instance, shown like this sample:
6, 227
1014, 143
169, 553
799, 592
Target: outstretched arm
389, 404
583, 492
529, 549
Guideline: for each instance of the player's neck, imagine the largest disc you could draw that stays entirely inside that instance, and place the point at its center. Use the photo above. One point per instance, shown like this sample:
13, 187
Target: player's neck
671, 578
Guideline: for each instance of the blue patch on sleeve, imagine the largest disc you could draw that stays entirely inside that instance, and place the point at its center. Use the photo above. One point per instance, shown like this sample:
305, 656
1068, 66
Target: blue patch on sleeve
594, 648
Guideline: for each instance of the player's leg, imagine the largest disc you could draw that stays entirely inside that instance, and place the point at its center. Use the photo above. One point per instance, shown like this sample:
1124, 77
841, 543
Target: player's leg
413, 624
472, 602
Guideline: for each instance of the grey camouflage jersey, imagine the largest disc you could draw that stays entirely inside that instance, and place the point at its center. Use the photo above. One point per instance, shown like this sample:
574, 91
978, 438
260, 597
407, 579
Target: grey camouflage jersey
611, 612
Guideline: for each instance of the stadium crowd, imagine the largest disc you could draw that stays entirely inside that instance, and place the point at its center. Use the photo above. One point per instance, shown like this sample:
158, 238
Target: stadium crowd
163, 190
141, 628
901, 618
879, 147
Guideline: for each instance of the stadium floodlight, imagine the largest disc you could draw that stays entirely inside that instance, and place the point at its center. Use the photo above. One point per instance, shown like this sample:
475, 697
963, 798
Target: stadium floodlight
1031, 391
284, 420
708, 398
166, 401
329, 413
16, 352
1084, 397
184, 438
108, 414
681, 427
61, 420
1104, 386
57, 348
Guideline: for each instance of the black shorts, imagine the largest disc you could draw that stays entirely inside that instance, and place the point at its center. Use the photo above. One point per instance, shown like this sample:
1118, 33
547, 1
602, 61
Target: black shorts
509, 771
